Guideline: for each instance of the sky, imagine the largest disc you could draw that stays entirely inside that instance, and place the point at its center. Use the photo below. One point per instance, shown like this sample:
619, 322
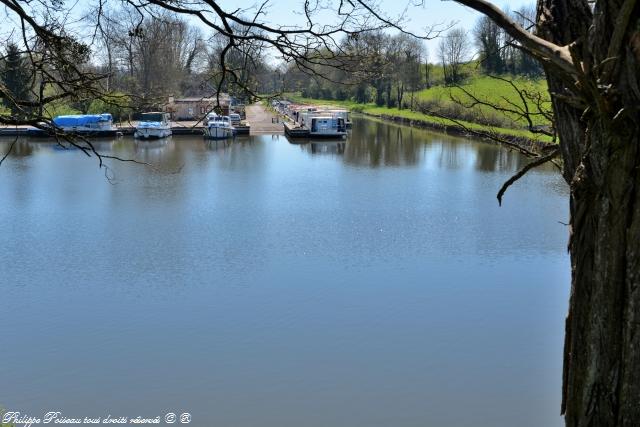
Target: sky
429, 13
289, 12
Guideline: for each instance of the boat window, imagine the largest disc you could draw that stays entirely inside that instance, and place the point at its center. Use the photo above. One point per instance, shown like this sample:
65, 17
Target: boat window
152, 117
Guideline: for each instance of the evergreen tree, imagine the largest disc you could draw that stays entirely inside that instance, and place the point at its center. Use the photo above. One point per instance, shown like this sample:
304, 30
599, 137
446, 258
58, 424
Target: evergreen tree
15, 79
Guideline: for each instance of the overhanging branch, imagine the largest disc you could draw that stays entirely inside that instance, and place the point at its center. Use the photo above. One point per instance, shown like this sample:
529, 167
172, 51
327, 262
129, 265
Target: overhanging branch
555, 55
522, 172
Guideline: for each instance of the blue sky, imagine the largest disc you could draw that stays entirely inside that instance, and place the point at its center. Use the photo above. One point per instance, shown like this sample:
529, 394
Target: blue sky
288, 12
431, 12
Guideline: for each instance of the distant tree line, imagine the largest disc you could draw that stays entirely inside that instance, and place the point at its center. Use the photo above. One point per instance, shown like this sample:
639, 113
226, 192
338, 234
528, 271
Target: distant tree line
165, 55
375, 66
147, 60
388, 69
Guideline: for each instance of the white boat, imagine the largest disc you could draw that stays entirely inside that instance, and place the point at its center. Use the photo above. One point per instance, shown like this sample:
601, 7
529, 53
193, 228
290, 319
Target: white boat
87, 124
153, 126
218, 127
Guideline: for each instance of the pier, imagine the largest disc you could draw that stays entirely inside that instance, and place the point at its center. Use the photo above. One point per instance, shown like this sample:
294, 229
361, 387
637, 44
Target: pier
258, 121
262, 120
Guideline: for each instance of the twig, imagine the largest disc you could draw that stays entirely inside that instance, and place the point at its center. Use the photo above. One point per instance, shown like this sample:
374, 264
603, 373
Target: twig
8, 151
522, 172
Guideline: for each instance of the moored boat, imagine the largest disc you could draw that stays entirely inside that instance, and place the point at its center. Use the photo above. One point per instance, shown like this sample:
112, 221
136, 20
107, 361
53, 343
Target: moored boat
219, 127
327, 127
88, 125
153, 125
318, 127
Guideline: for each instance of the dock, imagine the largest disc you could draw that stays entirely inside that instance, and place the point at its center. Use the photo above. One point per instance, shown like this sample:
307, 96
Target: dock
263, 121
178, 128
259, 121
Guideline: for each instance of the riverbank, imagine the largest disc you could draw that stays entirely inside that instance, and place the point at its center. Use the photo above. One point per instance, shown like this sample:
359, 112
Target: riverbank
519, 137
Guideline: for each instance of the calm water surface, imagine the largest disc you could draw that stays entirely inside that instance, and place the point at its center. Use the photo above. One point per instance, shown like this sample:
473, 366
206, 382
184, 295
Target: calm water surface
266, 284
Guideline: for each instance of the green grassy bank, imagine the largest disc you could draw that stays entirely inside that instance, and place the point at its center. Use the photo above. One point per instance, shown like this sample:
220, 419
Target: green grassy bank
467, 115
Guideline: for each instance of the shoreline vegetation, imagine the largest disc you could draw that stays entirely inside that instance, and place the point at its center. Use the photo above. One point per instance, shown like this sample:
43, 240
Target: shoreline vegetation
466, 110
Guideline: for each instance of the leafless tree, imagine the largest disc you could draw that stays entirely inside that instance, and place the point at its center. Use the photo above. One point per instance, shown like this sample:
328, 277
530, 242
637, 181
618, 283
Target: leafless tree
427, 68
405, 56
489, 41
454, 52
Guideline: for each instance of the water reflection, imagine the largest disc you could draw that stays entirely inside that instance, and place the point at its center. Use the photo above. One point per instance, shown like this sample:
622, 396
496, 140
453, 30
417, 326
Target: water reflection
325, 147
371, 144
21, 148
217, 145
100, 145
155, 151
488, 159
374, 143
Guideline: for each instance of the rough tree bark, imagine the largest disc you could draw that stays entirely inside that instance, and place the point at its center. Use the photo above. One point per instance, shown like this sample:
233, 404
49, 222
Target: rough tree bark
598, 125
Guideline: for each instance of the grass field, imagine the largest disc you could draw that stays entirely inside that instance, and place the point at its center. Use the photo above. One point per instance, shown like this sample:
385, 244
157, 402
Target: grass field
494, 92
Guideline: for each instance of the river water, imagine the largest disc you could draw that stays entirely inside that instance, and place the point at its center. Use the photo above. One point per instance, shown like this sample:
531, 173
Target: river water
260, 283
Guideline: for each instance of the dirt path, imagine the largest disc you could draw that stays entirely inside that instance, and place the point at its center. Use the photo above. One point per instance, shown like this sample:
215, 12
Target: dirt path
261, 120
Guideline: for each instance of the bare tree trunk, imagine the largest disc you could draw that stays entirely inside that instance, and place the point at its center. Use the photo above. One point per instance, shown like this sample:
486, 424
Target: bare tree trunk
602, 344
109, 65
427, 74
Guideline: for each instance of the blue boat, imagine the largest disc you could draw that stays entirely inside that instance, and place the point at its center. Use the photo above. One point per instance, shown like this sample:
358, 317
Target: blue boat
94, 125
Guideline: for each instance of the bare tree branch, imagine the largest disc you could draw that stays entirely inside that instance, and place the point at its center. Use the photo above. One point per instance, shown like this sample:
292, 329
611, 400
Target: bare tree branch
557, 56
522, 172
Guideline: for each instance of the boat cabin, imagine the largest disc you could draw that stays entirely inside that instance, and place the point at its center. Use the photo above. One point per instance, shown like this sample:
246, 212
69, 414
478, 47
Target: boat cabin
327, 126
220, 121
156, 117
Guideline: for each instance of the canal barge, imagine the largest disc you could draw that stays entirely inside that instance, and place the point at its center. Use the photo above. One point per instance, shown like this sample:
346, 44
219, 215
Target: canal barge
317, 127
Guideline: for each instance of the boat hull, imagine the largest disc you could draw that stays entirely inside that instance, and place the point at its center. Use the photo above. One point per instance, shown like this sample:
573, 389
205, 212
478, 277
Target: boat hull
213, 132
328, 135
304, 132
40, 133
151, 133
